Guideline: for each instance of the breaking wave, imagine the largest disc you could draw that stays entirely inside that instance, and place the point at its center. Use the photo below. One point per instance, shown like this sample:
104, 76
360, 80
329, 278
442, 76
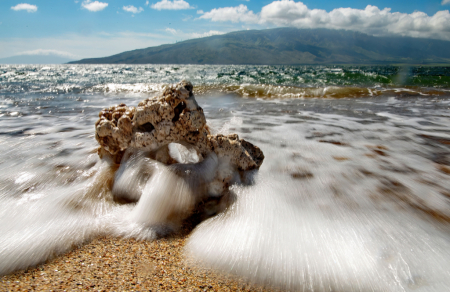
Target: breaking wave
246, 81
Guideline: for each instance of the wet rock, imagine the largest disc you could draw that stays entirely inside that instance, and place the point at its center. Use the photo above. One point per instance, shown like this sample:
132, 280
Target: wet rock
173, 116
191, 178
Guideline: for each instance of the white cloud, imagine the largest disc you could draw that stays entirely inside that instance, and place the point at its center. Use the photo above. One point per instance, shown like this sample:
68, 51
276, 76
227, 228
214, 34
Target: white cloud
195, 35
146, 3
25, 6
171, 30
206, 34
171, 5
370, 20
200, 12
445, 2
42, 52
133, 9
284, 11
94, 6
233, 14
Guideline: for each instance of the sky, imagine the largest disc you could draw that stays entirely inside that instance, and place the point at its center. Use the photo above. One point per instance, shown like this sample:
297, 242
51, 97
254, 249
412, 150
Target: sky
97, 28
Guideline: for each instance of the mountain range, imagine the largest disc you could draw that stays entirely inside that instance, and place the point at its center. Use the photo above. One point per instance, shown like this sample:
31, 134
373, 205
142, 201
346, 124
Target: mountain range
288, 46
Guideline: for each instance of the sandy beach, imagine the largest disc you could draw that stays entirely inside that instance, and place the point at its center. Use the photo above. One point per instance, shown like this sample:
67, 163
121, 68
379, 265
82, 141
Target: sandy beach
114, 264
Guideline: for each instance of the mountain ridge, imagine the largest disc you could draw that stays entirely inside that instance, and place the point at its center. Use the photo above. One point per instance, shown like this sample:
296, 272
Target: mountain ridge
288, 46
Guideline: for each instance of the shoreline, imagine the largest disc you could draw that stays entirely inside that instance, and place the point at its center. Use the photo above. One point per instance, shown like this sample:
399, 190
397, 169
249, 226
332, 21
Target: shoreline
117, 264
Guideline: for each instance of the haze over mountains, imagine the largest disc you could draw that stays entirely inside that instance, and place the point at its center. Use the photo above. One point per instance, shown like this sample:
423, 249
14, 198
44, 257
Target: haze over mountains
35, 59
288, 46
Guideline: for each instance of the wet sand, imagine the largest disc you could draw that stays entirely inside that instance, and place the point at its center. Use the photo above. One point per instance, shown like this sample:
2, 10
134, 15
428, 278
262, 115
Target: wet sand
116, 264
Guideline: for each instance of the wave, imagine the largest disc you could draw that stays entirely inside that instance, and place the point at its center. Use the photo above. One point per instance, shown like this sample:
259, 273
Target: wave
273, 91
264, 91
247, 81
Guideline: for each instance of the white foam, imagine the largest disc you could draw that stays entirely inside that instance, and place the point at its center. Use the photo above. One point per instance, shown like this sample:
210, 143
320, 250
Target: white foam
275, 235
165, 197
132, 176
183, 154
40, 226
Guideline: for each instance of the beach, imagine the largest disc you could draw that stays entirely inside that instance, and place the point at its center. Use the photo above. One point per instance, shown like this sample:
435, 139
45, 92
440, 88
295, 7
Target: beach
114, 264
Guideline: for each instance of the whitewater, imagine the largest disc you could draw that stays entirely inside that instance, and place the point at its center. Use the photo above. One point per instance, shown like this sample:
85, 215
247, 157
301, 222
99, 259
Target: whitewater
353, 194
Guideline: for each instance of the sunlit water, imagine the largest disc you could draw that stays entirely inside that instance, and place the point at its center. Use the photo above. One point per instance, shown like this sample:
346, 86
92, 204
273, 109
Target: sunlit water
353, 195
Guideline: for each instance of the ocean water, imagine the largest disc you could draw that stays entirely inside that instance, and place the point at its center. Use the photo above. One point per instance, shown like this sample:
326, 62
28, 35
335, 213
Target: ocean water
353, 195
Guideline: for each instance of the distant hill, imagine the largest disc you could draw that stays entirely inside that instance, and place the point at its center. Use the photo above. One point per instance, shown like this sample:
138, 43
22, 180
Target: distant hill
288, 46
35, 59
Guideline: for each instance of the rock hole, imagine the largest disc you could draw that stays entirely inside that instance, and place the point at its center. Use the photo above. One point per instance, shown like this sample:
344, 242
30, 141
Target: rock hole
178, 110
147, 127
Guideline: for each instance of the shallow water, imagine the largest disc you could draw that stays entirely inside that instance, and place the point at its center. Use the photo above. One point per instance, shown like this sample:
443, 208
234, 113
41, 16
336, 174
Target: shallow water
353, 194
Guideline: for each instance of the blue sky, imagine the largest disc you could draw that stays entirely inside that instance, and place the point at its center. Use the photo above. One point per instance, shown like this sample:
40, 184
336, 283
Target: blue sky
87, 28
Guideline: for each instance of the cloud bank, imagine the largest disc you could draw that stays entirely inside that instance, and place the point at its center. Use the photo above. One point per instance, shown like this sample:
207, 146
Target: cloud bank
370, 20
206, 34
25, 6
94, 6
233, 14
171, 5
193, 35
79, 46
445, 2
132, 9
42, 52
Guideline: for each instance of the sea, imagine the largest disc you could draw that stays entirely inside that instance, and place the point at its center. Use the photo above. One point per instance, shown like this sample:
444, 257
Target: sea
353, 194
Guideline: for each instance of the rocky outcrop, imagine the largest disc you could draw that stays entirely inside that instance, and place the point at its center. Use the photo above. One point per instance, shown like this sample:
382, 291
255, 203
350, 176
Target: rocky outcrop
173, 116
196, 172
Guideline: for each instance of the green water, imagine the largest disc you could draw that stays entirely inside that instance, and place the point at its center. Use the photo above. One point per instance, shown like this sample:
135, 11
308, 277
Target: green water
150, 78
361, 76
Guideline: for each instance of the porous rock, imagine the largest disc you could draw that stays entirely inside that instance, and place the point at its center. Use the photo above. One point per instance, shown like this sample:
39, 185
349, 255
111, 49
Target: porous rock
199, 184
173, 116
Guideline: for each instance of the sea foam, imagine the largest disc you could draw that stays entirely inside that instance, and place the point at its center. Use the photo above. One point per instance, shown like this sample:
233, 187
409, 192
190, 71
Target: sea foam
276, 236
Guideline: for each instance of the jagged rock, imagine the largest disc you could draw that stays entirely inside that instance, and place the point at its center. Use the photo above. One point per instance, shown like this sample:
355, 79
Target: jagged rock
241, 153
196, 182
173, 116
